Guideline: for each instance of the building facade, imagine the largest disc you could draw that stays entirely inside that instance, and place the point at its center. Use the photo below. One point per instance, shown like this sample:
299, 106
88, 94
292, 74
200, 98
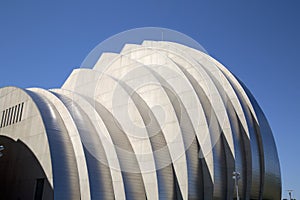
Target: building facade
159, 120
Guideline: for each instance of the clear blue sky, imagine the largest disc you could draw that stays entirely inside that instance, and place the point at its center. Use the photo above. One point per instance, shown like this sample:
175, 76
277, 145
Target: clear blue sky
42, 41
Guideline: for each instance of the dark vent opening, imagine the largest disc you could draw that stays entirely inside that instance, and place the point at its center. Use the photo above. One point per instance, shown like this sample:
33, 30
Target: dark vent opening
12, 115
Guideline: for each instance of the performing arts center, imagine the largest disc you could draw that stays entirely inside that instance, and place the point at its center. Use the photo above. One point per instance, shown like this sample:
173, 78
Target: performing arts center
158, 120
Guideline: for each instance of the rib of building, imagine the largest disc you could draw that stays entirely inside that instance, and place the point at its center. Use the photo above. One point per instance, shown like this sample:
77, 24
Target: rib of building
159, 120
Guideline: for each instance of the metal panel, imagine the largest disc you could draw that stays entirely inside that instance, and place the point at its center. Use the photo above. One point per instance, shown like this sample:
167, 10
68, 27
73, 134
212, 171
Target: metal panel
211, 118
74, 138
133, 182
161, 153
64, 167
271, 188
98, 172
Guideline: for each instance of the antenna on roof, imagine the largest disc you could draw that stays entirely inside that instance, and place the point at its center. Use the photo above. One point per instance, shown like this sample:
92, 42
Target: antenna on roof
290, 194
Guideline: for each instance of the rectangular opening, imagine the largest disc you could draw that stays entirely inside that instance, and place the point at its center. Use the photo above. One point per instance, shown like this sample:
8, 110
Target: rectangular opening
15, 111
3, 113
6, 117
11, 115
18, 111
39, 187
4, 121
20, 117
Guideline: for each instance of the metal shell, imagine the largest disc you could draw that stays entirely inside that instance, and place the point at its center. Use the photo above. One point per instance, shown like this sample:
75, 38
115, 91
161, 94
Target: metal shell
158, 121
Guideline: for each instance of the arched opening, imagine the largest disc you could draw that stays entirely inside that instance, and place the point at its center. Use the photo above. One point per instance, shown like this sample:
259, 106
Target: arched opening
21, 175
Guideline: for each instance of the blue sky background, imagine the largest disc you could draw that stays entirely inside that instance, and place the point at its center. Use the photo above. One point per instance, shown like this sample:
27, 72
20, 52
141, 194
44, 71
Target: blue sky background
42, 41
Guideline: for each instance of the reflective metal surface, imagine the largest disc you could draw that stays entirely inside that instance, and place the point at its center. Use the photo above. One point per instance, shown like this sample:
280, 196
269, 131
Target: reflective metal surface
158, 121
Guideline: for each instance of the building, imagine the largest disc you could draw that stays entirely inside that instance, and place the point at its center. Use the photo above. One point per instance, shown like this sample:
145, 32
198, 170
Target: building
159, 120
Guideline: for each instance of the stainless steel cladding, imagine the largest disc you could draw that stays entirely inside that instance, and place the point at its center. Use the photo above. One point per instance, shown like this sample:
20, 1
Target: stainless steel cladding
159, 120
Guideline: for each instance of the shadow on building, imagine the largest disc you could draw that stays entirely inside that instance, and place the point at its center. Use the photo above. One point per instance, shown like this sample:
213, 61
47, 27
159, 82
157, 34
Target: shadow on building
21, 175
